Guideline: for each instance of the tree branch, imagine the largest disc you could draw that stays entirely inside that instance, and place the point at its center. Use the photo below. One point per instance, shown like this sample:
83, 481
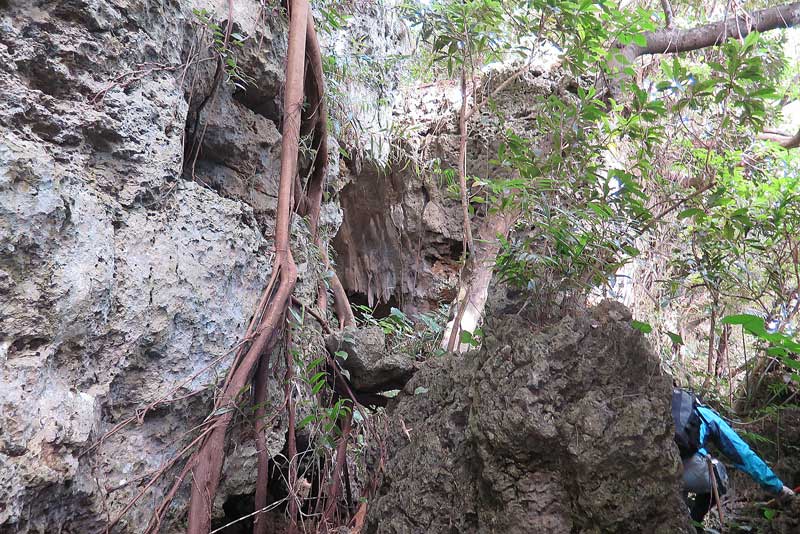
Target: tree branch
785, 140
669, 17
669, 41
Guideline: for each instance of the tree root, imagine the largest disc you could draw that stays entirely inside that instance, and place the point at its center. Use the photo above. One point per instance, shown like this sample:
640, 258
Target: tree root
210, 456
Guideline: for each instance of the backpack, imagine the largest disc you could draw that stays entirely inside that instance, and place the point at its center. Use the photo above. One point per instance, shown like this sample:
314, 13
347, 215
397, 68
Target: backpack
687, 422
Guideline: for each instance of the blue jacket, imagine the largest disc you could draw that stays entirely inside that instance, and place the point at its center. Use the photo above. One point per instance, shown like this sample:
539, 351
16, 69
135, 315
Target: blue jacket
715, 428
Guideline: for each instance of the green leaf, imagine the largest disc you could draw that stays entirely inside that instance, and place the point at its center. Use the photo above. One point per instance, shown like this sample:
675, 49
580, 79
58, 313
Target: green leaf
341, 354
776, 351
419, 390
716, 66
397, 313
691, 212
318, 387
663, 85
315, 362
743, 319
750, 40
794, 364
766, 93
639, 39
305, 421
467, 337
644, 328
675, 338
317, 376
631, 251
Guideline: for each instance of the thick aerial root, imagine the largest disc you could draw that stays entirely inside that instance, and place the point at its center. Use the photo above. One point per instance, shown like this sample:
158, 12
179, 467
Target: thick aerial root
209, 458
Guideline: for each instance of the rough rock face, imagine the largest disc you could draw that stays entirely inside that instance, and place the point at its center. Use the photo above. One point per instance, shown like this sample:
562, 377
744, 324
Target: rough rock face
786, 522
371, 367
405, 243
559, 429
128, 268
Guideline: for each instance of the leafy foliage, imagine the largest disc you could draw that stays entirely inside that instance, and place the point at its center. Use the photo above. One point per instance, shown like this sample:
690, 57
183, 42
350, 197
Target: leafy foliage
674, 168
776, 344
580, 216
416, 336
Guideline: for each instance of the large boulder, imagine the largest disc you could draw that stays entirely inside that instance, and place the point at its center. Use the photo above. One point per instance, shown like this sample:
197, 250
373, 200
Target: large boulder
549, 428
362, 353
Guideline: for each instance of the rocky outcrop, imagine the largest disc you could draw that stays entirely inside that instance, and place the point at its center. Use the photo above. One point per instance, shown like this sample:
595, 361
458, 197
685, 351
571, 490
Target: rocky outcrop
404, 245
362, 352
130, 262
556, 428
120, 279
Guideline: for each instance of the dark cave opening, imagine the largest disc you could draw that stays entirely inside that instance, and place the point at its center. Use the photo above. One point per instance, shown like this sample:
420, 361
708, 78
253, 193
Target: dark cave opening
236, 507
456, 249
379, 309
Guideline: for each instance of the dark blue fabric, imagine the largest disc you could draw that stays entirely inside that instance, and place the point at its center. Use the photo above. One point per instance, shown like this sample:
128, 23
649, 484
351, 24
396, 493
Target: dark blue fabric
715, 428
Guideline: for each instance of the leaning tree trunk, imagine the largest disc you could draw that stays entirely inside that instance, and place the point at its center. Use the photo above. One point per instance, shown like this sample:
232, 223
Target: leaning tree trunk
672, 40
476, 276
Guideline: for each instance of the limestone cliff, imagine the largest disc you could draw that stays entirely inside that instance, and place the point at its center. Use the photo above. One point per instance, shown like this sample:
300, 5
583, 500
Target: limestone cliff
130, 261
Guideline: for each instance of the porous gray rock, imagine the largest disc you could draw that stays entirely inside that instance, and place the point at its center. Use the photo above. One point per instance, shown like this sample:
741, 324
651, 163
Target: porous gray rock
128, 270
372, 369
549, 428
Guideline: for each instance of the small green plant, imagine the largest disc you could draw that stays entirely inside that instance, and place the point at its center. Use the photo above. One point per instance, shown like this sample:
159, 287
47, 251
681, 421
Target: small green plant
417, 336
225, 50
314, 375
472, 339
395, 324
644, 328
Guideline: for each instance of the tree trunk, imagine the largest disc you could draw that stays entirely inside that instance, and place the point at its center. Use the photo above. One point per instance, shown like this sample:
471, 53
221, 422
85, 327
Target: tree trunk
476, 276
711, 337
722, 351
670, 40
462, 163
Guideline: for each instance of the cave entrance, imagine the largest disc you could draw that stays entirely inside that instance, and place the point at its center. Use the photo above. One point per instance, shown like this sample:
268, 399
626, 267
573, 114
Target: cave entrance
360, 303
